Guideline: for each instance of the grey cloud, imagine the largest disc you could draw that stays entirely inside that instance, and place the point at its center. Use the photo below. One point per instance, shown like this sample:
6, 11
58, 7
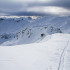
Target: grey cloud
60, 3
15, 8
30, 14
9, 7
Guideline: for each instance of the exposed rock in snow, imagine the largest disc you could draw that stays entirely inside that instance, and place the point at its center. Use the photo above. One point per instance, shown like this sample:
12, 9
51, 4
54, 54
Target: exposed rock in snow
24, 30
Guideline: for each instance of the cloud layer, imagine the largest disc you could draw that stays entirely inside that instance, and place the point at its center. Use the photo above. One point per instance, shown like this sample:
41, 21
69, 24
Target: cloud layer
33, 7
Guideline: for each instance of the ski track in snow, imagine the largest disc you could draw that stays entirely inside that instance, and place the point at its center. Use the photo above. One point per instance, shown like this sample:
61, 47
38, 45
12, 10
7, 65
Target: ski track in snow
62, 56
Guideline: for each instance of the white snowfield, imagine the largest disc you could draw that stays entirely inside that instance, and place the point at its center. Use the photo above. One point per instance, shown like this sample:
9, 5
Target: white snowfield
35, 43
53, 54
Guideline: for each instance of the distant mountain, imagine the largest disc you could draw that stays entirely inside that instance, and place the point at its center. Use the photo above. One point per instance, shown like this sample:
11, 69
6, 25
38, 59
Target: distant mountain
24, 30
35, 43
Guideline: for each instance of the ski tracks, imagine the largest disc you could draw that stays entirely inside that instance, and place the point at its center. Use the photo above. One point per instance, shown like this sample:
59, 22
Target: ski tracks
61, 60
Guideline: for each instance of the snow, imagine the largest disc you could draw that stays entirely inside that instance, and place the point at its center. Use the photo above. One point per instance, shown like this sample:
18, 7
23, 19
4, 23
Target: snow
45, 55
25, 30
35, 43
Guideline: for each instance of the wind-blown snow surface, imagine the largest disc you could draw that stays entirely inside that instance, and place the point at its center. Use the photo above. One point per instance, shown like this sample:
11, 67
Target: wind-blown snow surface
53, 54
35, 43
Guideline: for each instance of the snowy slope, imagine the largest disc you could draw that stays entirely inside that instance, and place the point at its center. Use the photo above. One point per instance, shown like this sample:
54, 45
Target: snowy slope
45, 55
35, 43
25, 30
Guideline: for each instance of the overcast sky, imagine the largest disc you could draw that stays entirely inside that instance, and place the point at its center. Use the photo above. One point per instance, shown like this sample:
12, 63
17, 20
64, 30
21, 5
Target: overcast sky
34, 7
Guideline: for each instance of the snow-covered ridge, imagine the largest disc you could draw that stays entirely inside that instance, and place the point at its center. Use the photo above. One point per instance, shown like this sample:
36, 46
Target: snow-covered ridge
24, 30
40, 43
